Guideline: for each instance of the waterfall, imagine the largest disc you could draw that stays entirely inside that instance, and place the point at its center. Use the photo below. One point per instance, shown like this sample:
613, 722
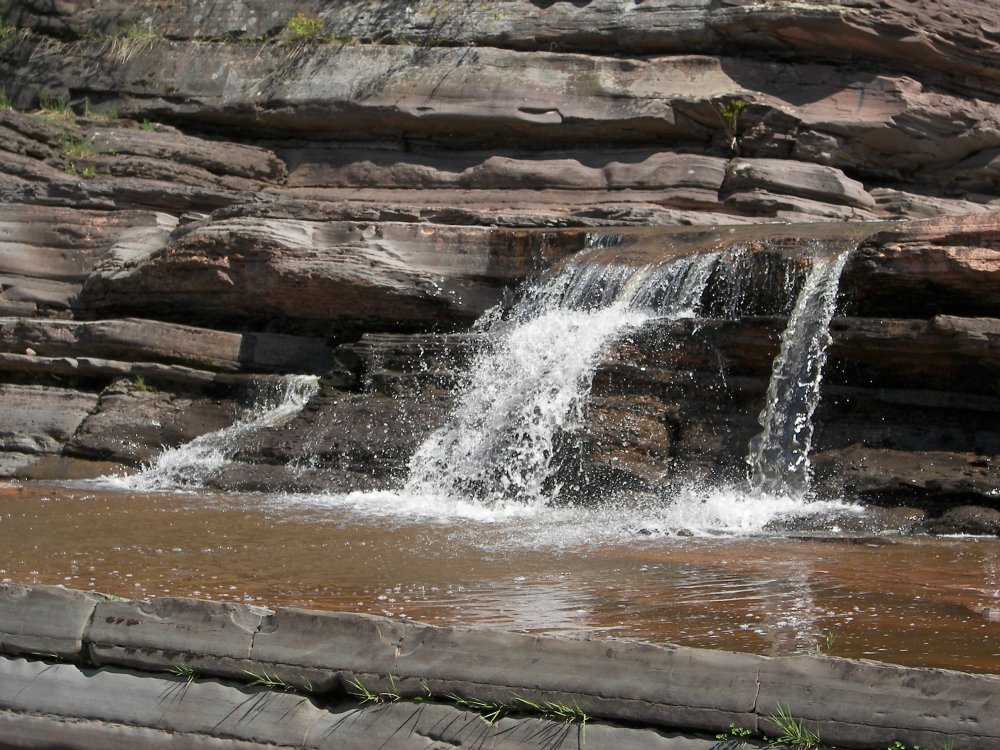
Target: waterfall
779, 455
192, 464
527, 389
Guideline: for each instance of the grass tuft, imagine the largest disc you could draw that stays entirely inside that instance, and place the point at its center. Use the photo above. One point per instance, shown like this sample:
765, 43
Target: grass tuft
303, 28
190, 674
268, 679
794, 733
364, 695
54, 106
490, 711
131, 41
75, 147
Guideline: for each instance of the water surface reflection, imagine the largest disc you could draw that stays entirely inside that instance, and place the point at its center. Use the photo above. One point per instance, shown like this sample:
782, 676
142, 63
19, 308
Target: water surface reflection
915, 601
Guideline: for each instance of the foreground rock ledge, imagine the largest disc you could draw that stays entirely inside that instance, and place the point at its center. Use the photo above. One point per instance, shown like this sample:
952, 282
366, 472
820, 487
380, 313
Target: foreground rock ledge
82, 669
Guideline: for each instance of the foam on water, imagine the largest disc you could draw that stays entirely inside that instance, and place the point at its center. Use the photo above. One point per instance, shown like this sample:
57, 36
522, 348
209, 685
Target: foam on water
695, 511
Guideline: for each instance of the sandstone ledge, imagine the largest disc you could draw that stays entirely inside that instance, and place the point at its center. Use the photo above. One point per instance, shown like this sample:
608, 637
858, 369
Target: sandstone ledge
56, 642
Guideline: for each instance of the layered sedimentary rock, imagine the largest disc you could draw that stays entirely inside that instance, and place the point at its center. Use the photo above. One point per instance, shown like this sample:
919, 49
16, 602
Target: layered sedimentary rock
197, 195
214, 673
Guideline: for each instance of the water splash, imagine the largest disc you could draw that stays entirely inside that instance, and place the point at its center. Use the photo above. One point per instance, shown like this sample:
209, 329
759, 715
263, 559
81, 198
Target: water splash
191, 465
779, 455
527, 390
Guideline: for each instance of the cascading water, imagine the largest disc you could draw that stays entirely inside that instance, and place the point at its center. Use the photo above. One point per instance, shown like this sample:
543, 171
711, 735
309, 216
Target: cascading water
529, 387
779, 455
190, 465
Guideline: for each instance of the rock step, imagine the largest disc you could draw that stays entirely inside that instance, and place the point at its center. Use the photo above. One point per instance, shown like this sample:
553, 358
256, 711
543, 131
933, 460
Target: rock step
892, 31
668, 687
877, 126
38, 343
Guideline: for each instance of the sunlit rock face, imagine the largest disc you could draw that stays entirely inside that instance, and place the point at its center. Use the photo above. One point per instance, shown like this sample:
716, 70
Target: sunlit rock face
197, 196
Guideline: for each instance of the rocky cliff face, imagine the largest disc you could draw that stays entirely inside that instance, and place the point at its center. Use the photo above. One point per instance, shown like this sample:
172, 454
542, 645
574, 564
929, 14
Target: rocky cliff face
195, 196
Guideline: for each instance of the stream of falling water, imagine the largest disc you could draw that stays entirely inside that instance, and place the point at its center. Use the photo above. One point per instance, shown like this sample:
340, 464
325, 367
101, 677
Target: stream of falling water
779, 455
191, 465
472, 538
531, 385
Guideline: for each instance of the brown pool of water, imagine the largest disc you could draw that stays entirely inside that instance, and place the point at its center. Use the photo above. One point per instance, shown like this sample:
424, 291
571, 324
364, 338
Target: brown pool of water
918, 601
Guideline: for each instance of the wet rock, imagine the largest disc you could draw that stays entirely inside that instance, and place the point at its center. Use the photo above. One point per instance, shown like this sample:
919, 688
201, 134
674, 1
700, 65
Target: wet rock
628, 442
967, 519
282, 197
340, 442
927, 478
869, 525
132, 425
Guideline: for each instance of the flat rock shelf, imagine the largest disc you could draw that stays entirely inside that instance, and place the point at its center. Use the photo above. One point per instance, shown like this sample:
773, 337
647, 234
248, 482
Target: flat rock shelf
82, 669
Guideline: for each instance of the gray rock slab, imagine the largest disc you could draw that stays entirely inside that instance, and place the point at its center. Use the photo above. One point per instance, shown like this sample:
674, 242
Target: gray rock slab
619, 680
164, 703
859, 704
60, 705
345, 641
46, 731
44, 620
39, 419
158, 633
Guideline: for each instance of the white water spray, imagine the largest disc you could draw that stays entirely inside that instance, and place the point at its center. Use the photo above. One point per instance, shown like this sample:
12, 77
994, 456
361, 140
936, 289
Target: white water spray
190, 465
779, 455
528, 389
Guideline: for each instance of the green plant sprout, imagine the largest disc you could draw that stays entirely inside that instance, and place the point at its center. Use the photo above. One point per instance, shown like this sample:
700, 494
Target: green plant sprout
137, 33
303, 28
830, 638
53, 106
268, 679
75, 147
490, 711
793, 731
948, 744
129, 42
734, 732
564, 712
364, 695
730, 113
190, 674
